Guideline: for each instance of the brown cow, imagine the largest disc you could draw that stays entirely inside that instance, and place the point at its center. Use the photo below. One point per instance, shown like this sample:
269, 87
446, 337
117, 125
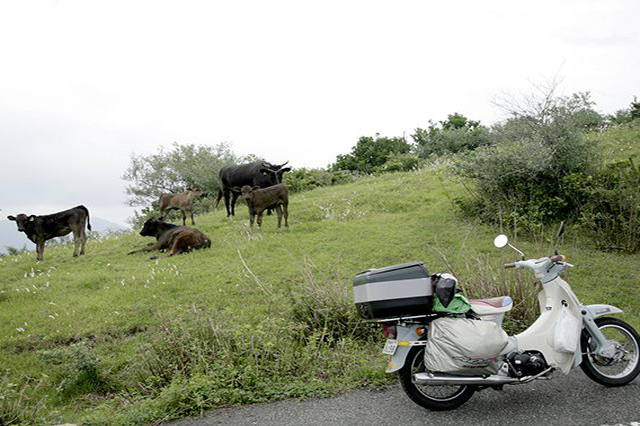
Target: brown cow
258, 200
176, 239
182, 201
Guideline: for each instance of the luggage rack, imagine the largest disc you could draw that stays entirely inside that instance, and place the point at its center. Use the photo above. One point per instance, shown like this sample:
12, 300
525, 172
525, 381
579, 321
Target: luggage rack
400, 319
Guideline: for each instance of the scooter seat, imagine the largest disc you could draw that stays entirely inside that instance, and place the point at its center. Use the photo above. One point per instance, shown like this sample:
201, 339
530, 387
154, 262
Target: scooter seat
494, 305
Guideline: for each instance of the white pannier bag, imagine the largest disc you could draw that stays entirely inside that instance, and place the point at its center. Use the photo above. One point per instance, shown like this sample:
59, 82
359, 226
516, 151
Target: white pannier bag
464, 346
566, 335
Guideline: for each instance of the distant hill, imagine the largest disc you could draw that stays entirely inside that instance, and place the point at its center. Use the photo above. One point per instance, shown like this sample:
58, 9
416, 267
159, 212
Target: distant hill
10, 237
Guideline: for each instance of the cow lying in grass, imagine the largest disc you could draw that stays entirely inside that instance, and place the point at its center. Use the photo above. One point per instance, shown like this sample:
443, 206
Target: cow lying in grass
258, 200
172, 238
42, 228
182, 201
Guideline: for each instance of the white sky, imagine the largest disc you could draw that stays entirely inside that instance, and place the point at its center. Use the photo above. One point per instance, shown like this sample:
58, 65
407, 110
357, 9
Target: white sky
83, 84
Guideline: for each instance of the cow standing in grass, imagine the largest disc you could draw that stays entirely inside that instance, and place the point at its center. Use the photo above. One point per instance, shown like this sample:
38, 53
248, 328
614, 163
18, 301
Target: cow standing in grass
182, 201
259, 173
258, 200
42, 228
176, 239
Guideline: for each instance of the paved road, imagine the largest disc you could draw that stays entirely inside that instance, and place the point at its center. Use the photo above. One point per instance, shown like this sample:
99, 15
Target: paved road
572, 400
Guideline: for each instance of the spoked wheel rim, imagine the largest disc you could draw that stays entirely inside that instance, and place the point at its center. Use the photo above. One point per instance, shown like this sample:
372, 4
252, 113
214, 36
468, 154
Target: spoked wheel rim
439, 392
627, 353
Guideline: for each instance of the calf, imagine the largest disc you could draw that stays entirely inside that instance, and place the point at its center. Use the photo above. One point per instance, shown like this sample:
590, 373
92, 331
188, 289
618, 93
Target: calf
274, 197
42, 228
182, 201
176, 239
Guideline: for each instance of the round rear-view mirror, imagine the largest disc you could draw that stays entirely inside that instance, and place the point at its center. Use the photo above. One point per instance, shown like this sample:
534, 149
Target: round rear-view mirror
501, 241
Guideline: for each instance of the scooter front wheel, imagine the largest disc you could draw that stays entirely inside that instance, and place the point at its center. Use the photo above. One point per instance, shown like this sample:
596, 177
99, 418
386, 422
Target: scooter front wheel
624, 366
436, 398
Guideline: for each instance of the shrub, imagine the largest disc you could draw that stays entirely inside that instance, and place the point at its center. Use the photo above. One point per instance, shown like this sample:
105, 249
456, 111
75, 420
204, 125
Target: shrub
609, 205
370, 153
455, 134
305, 179
518, 178
400, 163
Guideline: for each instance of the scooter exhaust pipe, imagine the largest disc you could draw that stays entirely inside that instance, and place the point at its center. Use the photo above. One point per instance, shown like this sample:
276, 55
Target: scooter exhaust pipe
492, 380
443, 379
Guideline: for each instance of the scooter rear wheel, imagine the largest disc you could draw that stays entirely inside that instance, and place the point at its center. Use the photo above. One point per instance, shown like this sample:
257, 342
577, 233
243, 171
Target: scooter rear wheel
616, 371
436, 398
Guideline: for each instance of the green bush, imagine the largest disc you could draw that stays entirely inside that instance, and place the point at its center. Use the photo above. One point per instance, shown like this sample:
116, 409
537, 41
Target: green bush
399, 163
371, 153
305, 179
519, 178
609, 203
455, 134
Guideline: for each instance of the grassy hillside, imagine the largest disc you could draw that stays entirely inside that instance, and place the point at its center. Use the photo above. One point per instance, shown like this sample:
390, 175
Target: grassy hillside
109, 338
620, 143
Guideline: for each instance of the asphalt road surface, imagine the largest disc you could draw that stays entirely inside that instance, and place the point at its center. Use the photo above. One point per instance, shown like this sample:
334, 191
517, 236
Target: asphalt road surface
564, 400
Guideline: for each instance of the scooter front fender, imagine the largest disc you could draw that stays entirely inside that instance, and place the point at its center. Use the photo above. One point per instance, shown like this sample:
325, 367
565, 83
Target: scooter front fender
601, 310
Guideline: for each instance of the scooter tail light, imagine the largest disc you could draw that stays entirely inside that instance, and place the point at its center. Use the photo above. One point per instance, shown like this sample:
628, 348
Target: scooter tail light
389, 331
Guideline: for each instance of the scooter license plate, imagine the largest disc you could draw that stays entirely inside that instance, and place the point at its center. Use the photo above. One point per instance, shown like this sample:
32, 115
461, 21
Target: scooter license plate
390, 347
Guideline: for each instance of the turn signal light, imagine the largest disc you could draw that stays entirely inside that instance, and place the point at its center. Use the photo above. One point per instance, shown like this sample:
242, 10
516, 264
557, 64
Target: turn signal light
421, 331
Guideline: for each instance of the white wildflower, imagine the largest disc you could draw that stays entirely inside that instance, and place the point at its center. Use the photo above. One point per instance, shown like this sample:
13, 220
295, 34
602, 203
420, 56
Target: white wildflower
20, 329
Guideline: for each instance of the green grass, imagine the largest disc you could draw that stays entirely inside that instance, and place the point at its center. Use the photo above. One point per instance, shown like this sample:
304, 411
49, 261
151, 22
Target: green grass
621, 142
109, 338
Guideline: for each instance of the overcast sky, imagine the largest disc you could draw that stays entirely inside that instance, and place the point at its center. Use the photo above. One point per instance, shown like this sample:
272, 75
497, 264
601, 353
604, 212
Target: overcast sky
84, 84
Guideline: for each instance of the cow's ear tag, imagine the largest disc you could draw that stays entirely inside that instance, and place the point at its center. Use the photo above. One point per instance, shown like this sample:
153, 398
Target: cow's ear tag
32, 218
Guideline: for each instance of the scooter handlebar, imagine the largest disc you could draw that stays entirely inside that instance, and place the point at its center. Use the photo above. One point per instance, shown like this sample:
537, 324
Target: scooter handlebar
532, 263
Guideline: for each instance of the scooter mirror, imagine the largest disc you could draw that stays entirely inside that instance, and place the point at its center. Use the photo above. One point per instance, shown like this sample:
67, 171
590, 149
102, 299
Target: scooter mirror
501, 241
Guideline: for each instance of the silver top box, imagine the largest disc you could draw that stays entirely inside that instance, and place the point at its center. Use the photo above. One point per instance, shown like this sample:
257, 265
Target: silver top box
407, 280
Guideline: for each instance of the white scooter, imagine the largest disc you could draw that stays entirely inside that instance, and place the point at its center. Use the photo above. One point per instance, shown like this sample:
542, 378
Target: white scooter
607, 349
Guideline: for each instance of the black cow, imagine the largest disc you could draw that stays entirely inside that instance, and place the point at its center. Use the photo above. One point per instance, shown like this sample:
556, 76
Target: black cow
42, 228
260, 174
176, 239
